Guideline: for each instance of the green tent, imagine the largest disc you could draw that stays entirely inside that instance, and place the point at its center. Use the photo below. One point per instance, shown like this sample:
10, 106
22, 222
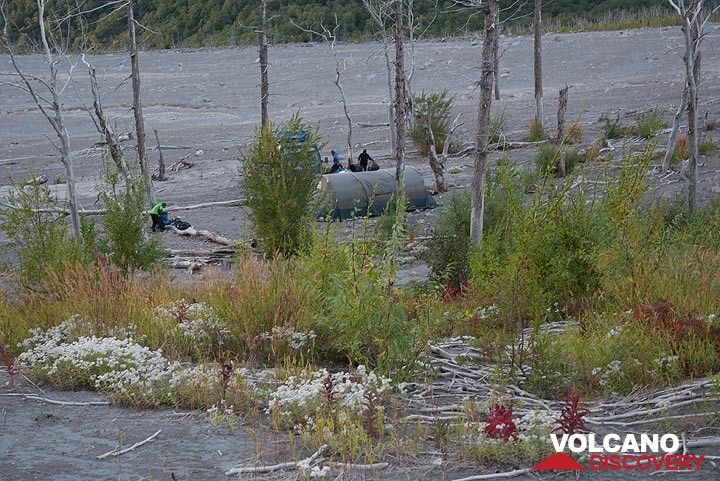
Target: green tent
357, 194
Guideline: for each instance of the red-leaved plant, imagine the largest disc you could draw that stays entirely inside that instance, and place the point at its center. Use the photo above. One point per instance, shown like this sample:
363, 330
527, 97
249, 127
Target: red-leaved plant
10, 363
500, 423
571, 415
226, 369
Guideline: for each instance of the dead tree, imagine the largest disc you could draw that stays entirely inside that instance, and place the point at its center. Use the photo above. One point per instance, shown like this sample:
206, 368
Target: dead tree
264, 82
437, 167
562, 108
379, 11
104, 128
497, 61
161, 159
399, 97
490, 47
329, 37
693, 27
537, 35
50, 104
4, 19
667, 159
137, 102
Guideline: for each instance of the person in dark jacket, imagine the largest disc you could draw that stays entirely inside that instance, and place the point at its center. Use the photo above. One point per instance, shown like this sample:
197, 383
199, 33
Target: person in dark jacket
364, 158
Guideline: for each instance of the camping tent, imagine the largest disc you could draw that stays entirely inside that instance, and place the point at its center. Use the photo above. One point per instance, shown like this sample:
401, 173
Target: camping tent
347, 194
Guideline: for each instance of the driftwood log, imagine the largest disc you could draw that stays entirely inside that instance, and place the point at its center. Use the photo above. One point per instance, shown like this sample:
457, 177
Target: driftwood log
211, 236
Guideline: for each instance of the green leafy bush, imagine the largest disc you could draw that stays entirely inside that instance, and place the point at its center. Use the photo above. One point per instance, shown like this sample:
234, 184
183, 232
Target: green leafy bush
40, 237
498, 126
536, 132
281, 175
447, 252
649, 124
442, 103
614, 128
549, 157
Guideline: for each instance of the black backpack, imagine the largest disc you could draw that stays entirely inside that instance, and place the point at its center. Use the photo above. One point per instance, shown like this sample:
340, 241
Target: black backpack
181, 225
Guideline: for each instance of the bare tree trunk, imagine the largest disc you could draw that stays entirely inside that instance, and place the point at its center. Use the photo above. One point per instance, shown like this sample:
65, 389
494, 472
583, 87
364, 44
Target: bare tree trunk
691, 44
58, 124
137, 103
161, 159
378, 12
562, 108
490, 47
399, 97
4, 19
537, 31
103, 127
435, 164
391, 107
264, 83
411, 74
497, 63
674, 132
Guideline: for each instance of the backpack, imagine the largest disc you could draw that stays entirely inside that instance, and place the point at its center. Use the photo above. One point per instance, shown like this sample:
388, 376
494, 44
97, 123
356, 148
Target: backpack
182, 225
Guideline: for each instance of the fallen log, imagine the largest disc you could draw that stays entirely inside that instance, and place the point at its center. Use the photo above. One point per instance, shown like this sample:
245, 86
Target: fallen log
91, 212
507, 145
277, 467
223, 203
118, 452
211, 236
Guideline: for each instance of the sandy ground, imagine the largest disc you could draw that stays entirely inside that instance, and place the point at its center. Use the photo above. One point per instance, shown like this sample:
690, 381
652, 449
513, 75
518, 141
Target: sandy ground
206, 101
48, 442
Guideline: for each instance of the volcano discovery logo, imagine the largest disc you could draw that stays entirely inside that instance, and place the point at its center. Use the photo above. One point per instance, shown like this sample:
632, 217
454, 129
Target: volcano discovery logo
644, 453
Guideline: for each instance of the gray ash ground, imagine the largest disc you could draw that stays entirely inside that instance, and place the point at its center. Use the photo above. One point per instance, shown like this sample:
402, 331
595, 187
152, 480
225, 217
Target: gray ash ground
206, 101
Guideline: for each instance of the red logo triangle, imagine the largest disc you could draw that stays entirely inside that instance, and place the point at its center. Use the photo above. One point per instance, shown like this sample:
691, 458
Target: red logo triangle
558, 462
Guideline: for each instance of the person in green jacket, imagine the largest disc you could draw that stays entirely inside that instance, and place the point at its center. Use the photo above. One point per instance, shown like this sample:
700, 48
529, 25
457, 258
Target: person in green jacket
159, 216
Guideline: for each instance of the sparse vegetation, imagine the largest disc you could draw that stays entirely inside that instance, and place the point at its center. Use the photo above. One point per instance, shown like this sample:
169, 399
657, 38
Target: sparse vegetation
442, 103
448, 250
536, 133
614, 128
707, 146
549, 158
680, 153
649, 124
575, 133
498, 126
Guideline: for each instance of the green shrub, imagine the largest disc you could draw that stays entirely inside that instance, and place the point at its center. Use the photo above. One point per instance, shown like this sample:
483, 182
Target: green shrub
536, 132
123, 239
549, 157
706, 147
614, 129
447, 251
442, 103
498, 126
281, 175
539, 255
649, 124
40, 238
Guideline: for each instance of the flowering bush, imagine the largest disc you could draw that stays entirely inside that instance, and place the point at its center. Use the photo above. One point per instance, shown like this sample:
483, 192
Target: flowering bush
343, 410
284, 340
313, 392
196, 323
129, 372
